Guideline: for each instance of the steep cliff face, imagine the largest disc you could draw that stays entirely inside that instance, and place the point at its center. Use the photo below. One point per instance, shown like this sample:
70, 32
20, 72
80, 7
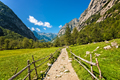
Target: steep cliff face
106, 8
95, 7
9, 20
73, 23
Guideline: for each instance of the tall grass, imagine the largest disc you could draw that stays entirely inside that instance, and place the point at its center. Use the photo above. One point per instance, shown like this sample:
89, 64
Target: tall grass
12, 59
109, 60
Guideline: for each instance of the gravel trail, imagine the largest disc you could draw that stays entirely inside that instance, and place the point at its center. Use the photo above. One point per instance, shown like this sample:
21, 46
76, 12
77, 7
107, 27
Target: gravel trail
62, 69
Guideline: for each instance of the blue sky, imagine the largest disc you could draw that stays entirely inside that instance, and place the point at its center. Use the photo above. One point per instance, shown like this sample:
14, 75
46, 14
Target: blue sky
47, 15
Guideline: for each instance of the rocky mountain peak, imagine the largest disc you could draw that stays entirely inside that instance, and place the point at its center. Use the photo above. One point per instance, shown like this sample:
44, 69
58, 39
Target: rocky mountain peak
73, 23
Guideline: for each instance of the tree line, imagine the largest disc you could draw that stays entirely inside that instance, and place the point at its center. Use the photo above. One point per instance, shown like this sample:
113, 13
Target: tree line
11, 40
8, 44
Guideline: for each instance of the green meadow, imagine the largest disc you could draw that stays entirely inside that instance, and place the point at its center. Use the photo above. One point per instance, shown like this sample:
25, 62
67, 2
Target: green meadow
10, 60
109, 60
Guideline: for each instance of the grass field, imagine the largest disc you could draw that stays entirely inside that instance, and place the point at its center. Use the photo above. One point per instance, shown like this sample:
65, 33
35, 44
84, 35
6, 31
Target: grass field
11, 59
109, 60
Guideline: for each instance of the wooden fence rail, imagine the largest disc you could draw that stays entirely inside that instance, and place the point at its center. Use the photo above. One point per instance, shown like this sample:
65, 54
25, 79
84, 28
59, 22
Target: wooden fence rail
89, 62
35, 67
94, 64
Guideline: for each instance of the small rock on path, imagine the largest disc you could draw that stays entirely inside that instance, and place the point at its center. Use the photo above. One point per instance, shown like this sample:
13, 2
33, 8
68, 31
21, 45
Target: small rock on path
62, 69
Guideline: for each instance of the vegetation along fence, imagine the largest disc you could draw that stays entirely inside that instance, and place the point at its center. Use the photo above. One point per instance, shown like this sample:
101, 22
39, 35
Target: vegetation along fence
78, 59
50, 57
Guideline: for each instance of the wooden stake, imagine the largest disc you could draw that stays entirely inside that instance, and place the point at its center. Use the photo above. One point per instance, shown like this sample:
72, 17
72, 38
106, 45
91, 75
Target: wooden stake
51, 56
99, 69
16, 70
79, 60
91, 65
34, 66
29, 78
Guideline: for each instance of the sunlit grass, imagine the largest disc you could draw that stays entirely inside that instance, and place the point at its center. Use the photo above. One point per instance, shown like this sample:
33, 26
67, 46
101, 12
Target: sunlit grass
12, 59
109, 60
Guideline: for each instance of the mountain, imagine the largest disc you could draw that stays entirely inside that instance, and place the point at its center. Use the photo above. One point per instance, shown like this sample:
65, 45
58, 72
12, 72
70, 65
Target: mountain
10, 21
46, 36
73, 23
96, 7
94, 13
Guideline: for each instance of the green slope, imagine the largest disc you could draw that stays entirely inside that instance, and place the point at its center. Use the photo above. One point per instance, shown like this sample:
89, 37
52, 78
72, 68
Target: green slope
109, 60
12, 59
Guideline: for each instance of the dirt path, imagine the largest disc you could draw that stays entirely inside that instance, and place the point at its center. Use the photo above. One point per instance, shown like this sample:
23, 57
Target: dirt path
62, 69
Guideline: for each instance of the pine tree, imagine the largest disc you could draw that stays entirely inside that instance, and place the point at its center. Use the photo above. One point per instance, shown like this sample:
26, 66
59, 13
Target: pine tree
75, 35
62, 40
68, 36
57, 42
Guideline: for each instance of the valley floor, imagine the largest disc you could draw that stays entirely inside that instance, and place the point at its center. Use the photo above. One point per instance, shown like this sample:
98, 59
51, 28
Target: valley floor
62, 69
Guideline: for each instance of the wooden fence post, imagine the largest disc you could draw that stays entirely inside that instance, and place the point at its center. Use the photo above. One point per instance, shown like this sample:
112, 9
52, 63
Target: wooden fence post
51, 56
16, 70
98, 68
91, 65
29, 78
70, 53
79, 60
34, 66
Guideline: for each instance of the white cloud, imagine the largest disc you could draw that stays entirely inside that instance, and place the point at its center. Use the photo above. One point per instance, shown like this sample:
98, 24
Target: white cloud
28, 27
60, 26
37, 29
39, 23
47, 24
32, 20
44, 28
33, 28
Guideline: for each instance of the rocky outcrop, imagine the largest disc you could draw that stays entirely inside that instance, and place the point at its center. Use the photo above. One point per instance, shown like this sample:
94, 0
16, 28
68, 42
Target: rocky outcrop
102, 12
73, 23
9, 20
94, 7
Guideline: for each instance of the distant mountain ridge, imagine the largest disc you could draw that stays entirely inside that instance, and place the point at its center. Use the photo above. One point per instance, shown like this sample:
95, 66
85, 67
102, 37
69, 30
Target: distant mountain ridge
46, 36
10, 21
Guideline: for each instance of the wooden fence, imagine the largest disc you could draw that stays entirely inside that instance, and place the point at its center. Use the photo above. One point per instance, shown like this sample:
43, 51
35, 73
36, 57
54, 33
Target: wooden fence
50, 57
78, 59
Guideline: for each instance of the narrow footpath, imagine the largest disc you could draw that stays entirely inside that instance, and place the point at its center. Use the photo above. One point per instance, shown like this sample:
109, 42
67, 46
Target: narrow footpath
62, 69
